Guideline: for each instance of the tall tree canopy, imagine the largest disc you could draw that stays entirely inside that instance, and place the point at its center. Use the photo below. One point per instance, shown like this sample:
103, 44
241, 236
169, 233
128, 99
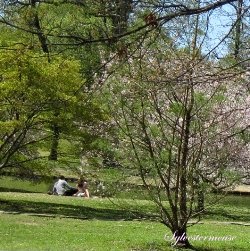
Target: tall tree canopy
178, 95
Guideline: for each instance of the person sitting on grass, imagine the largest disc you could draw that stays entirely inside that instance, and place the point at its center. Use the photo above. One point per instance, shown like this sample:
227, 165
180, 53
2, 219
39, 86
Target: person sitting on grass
61, 187
82, 187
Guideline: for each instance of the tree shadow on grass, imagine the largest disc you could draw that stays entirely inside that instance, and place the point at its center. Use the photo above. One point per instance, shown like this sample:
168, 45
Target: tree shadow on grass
42, 209
222, 214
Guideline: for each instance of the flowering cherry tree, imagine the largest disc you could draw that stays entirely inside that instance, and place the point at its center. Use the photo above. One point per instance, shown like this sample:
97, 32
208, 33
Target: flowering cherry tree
182, 121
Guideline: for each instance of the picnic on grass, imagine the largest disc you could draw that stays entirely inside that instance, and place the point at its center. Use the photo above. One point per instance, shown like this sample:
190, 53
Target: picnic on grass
62, 188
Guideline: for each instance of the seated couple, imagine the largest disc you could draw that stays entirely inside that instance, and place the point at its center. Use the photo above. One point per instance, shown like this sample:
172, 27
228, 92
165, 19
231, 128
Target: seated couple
61, 187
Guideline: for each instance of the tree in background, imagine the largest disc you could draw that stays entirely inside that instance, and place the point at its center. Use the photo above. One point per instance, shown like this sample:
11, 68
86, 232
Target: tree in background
30, 86
67, 115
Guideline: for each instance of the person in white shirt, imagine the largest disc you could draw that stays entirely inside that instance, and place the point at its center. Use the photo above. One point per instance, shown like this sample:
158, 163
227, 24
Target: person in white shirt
61, 187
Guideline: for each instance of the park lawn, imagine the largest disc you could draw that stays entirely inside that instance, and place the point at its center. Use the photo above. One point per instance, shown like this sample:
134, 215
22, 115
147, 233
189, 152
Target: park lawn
32, 221
11, 184
29, 232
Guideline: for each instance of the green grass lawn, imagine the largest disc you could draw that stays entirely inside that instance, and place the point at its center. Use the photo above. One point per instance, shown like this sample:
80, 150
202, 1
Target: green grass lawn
10, 184
35, 221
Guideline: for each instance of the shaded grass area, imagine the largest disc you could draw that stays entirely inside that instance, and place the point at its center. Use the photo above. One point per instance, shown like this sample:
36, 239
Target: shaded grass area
69, 211
39, 233
230, 208
75, 207
22, 232
32, 220
42, 222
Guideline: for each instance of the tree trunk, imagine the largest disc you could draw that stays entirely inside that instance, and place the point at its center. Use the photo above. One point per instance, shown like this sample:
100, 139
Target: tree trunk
238, 29
180, 238
200, 194
55, 141
120, 19
201, 200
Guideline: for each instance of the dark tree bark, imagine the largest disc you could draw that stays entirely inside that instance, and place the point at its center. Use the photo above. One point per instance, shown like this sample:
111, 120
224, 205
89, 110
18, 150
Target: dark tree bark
181, 239
238, 29
54, 142
122, 9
